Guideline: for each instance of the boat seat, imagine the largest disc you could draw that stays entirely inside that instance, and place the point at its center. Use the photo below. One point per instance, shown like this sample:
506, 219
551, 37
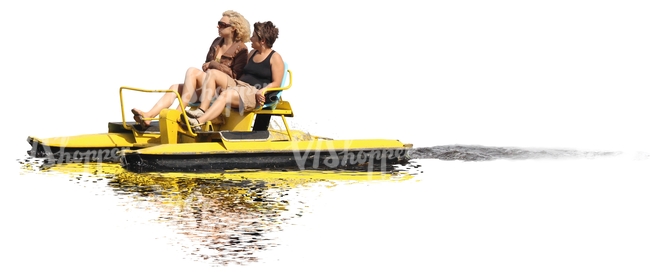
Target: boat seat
274, 97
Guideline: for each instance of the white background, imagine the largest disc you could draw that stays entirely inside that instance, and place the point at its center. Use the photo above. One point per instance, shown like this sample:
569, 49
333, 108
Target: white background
555, 74
569, 74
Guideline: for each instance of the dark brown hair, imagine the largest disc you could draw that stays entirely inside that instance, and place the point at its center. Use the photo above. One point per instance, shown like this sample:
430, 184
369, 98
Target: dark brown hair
266, 31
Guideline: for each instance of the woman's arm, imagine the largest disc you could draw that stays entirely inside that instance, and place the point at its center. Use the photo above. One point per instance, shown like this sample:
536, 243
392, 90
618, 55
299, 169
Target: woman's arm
277, 71
212, 52
239, 62
221, 67
232, 66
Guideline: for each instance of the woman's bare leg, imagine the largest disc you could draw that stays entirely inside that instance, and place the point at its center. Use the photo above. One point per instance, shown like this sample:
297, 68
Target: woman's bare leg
179, 88
228, 97
165, 101
193, 79
215, 81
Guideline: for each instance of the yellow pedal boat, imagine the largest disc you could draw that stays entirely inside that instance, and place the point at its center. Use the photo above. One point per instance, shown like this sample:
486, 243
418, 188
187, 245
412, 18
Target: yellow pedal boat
243, 142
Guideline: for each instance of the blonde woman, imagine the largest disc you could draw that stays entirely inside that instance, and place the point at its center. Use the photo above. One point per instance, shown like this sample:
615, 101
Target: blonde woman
227, 54
264, 70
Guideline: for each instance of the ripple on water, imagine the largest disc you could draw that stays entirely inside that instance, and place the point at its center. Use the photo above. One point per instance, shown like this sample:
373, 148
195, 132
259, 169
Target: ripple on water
227, 217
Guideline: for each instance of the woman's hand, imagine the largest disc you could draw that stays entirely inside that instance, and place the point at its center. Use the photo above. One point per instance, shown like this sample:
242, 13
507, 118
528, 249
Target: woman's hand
259, 96
205, 66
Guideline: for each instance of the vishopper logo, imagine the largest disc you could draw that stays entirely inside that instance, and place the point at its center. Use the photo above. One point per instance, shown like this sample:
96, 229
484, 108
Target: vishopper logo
319, 154
62, 154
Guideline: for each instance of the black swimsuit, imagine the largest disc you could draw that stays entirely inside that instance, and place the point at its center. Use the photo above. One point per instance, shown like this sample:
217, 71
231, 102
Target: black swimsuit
259, 74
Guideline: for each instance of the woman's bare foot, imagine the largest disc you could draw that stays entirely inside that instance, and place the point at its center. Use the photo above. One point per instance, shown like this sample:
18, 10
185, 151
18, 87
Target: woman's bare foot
138, 116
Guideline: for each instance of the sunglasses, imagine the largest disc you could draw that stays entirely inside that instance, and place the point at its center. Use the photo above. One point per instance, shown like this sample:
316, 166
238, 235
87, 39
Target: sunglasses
222, 24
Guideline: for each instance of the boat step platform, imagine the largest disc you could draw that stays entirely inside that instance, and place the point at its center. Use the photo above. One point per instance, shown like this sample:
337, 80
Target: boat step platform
240, 136
117, 127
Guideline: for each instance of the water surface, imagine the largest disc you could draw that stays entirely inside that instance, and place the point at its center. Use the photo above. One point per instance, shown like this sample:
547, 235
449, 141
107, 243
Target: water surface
454, 210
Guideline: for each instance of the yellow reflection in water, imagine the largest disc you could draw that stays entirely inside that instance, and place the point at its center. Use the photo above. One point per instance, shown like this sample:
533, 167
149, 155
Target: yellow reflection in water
226, 216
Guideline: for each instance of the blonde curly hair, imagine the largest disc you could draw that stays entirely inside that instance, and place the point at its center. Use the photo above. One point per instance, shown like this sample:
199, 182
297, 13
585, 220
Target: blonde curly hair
240, 24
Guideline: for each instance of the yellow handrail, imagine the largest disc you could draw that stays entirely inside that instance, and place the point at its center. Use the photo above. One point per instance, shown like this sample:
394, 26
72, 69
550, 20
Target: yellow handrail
279, 88
178, 96
283, 88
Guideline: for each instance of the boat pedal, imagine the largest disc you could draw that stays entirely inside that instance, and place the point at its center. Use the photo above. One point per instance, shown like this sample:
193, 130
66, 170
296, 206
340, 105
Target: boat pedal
259, 135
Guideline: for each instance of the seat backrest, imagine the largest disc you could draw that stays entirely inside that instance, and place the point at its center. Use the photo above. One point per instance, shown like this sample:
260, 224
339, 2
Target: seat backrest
276, 98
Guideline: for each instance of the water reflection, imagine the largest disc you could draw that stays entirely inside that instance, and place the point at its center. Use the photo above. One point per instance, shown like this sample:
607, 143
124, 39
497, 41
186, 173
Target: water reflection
227, 217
